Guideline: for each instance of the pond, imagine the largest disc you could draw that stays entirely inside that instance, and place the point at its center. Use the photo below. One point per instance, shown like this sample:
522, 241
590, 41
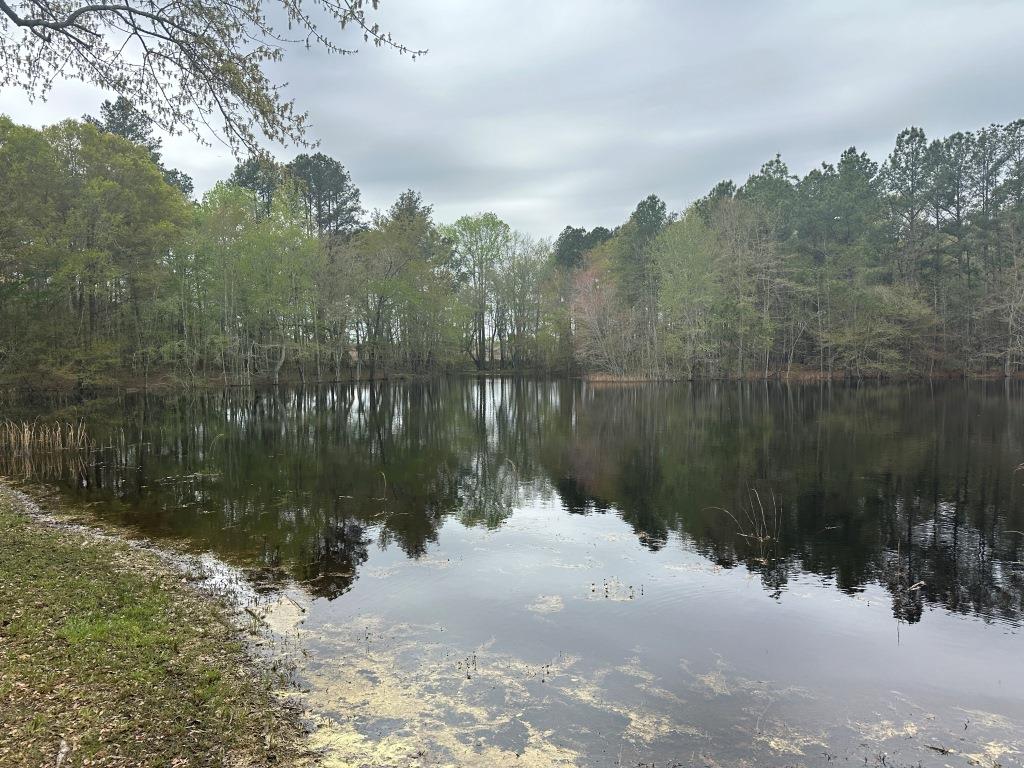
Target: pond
535, 573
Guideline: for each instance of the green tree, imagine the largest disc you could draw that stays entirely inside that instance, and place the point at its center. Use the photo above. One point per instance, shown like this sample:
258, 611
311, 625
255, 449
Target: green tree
480, 244
687, 253
401, 279
122, 119
262, 176
254, 280
638, 277
906, 178
330, 199
87, 266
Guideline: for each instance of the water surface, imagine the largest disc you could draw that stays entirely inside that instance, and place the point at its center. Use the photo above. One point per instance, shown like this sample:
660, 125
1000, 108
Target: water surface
517, 572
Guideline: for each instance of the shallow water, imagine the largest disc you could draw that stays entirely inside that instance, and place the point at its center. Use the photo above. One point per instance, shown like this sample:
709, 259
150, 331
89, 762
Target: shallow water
538, 573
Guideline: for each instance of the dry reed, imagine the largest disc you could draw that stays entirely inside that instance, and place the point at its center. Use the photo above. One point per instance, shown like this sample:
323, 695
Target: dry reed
43, 450
27, 437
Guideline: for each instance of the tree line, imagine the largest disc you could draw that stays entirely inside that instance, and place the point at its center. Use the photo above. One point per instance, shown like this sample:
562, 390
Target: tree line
911, 266
110, 271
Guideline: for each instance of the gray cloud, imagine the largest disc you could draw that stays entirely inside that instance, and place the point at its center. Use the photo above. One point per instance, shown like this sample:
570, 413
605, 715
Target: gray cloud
570, 112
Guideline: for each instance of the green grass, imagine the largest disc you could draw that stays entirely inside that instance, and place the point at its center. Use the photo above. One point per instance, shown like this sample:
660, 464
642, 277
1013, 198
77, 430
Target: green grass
105, 650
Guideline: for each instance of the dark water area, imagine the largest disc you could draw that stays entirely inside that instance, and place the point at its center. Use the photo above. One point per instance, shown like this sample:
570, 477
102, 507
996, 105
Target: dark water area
532, 572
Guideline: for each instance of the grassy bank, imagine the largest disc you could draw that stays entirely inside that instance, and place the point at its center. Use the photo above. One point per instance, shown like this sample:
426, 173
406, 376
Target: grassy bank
108, 658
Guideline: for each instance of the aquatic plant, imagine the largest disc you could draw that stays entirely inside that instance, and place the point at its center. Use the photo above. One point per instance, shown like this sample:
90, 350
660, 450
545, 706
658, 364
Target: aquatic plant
27, 437
756, 525
43, 449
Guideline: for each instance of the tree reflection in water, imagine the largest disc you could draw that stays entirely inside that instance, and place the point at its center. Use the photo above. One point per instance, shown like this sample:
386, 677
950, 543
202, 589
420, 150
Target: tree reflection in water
894, 485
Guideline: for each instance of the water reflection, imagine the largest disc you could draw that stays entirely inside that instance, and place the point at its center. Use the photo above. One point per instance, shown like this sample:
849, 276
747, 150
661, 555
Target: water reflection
908, 487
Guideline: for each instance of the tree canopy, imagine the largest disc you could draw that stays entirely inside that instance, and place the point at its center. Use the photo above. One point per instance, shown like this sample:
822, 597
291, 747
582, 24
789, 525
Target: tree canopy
185, 64
121, 118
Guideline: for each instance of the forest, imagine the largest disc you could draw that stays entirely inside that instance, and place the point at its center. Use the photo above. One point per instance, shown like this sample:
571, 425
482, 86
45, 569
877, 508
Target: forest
110, 271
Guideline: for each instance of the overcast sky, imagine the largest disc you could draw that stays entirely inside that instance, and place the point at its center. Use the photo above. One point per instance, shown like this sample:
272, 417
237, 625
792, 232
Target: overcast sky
569, 112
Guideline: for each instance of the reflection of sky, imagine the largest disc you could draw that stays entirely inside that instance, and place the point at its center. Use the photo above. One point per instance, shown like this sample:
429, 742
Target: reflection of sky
667, 631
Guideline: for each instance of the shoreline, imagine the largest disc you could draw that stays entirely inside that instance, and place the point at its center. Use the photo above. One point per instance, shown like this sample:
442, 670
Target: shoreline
89, 389
117, 652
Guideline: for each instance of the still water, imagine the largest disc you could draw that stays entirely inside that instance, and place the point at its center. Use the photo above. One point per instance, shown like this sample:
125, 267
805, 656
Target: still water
539, 573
